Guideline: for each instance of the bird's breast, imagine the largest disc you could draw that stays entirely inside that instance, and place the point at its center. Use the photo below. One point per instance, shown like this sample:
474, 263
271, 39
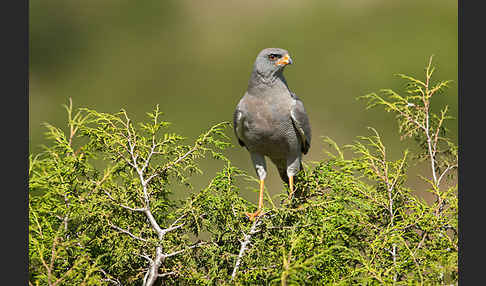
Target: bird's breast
268, 127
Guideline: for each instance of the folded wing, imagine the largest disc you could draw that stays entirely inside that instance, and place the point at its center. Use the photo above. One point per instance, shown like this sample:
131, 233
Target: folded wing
301, 123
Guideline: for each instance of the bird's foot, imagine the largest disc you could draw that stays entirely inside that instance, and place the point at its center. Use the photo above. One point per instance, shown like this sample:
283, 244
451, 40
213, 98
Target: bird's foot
252, 216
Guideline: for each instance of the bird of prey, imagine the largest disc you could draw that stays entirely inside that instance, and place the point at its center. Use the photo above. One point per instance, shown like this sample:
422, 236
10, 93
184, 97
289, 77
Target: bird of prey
271, 121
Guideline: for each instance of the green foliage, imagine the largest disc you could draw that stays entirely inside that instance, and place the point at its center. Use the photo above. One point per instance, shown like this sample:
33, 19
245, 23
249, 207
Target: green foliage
100, 210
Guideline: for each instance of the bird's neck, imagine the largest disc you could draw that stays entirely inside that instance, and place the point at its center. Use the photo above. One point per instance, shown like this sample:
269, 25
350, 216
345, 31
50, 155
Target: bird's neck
259, 82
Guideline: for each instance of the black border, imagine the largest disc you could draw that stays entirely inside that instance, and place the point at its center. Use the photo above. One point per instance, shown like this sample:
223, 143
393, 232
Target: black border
15, 138
471, 143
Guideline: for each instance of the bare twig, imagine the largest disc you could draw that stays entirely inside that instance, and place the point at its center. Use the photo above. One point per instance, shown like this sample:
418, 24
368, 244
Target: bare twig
140, 164
178, 160
244, 245
108, 279
153, 271
146, 257
167, 274
122, 205
445, 171
127, 232
182, 250
178, 220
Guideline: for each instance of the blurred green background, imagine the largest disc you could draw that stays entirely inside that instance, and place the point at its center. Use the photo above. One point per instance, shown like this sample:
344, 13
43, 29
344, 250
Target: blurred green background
194, 58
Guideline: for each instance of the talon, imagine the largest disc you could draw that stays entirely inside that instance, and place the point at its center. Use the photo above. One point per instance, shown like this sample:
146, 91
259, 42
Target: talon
252, 216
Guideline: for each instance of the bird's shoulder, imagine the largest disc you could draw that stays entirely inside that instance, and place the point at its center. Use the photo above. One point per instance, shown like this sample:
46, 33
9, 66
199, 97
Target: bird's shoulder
249, 102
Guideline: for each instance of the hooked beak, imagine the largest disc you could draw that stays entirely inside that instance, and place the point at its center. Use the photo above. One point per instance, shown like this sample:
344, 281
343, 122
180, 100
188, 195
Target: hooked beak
285, 60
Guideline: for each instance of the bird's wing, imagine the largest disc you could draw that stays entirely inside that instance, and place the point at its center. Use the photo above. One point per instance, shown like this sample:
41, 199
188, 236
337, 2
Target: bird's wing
301, 122
238, 125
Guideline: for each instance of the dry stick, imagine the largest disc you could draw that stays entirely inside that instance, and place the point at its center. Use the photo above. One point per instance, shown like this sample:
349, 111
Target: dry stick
445, 171
244, 246
432, 145
390, 187
152, 273
114, 281
432, 139
425, 100
127, 232
167, 274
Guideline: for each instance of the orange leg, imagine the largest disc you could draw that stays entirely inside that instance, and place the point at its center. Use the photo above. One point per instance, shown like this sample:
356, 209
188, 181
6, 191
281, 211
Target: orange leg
291, 185
252, 216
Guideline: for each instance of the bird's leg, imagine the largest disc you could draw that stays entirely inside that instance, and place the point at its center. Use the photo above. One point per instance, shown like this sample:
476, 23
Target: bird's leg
291, 186
260, 200
252, 216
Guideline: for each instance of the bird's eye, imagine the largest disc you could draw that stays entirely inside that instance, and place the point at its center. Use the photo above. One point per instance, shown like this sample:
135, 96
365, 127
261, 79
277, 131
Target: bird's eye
274, 56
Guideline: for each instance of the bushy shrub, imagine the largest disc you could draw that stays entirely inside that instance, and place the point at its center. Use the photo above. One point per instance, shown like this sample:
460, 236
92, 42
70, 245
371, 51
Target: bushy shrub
100, 212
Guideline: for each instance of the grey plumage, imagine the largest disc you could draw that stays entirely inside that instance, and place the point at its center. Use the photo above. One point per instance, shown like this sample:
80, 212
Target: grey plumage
270, 120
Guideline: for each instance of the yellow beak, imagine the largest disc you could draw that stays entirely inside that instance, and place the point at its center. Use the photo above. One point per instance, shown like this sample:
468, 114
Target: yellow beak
285, 60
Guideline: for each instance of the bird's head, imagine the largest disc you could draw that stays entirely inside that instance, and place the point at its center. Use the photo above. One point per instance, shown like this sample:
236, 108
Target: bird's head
271, 61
